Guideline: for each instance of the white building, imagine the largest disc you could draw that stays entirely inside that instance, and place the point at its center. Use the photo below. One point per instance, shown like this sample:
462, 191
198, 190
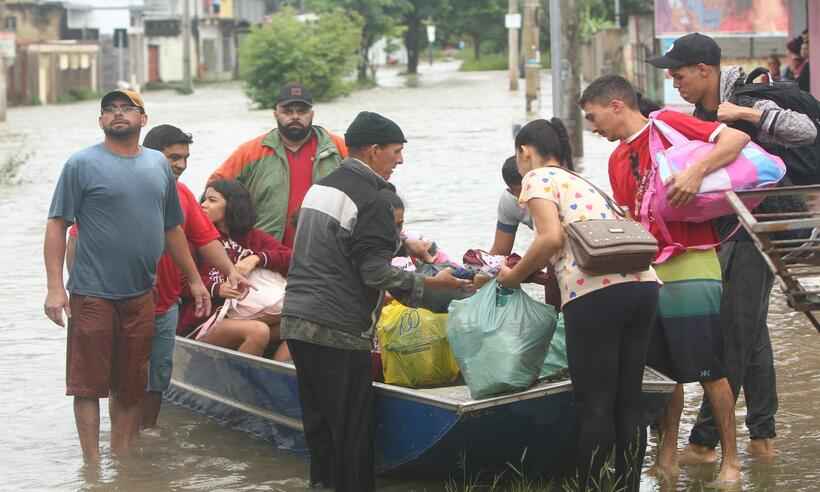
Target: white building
118, 27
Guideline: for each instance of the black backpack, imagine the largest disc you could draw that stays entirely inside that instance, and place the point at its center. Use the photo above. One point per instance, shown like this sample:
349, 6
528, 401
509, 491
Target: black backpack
802, 163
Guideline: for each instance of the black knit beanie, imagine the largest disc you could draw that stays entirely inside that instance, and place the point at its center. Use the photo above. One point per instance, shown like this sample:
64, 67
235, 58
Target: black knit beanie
372, 129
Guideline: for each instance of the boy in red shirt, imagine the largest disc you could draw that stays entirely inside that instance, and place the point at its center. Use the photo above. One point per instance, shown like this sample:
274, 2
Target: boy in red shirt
686, 343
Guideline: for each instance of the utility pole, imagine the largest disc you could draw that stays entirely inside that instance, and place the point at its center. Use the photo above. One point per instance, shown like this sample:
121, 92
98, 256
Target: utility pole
513, 23
2, 88
188, 84
566, 79
532, 57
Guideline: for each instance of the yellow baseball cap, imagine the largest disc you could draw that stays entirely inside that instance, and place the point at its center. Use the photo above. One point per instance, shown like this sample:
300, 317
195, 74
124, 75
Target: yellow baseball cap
132, 96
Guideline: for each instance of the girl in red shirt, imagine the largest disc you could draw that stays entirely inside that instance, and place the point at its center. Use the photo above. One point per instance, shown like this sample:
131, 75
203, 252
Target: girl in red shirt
228, 204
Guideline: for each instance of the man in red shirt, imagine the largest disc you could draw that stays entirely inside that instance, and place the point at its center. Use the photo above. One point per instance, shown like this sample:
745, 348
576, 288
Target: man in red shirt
686, 343
203, 238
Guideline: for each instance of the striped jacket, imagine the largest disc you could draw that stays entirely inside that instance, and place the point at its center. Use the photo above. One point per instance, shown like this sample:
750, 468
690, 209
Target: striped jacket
261, 165
345, 241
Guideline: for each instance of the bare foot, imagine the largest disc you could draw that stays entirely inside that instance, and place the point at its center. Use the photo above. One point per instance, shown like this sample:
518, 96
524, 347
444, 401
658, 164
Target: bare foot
729, 475
695, 454
664, 472
762, 449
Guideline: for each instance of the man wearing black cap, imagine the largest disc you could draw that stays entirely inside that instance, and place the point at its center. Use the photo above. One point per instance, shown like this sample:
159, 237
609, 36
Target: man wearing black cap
345, 241
279, 166
693, 63
125, 197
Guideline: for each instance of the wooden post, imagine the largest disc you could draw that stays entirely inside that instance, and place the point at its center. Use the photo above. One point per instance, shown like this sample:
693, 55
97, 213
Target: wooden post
566, 69
186, 47
2, 89
512, 39
532, 57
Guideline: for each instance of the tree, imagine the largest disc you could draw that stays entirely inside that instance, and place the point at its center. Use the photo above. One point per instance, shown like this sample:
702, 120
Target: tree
378, 22
413, 14
319, 54
478, 19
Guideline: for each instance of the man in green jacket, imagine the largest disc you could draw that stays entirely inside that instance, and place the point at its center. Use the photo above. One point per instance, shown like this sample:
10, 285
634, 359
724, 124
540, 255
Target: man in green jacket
279, 166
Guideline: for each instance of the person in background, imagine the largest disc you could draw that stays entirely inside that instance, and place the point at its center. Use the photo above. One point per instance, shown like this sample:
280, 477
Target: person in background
608, 317
229, 207
775, 70
346, 239
694, 63
795, 62
804, 78
686, 342
125, 199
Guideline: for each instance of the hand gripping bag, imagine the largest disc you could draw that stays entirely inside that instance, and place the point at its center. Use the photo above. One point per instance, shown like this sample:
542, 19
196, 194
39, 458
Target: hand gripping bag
264, 302
500, 338
414, 347
753, 169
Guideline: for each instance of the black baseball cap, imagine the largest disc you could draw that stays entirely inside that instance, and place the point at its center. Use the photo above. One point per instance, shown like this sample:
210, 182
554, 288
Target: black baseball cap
691, 49
294, 92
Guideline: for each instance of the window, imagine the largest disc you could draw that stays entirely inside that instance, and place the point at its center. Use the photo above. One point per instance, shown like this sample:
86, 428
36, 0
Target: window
10, 24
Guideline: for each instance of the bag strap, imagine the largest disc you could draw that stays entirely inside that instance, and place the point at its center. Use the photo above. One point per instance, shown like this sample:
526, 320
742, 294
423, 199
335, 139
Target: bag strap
215, 318
673, 136
608, 199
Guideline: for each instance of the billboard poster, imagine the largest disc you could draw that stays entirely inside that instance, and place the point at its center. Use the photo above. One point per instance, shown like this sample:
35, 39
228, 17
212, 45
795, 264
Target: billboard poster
746, 18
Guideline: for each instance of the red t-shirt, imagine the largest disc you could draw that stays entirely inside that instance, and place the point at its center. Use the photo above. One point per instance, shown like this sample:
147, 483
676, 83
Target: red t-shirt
625, 184
198, 229
301, 177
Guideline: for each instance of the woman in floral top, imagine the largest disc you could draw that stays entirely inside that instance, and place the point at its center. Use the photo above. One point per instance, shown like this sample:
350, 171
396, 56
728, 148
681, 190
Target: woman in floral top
608, 317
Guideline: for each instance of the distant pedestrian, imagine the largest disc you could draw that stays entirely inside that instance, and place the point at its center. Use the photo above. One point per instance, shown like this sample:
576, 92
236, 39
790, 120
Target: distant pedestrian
125, 199
804, 79
694, 63
795, 62
344, 245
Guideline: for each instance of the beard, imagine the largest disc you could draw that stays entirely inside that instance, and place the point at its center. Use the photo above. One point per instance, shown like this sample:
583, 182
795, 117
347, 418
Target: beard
121, 132
294, 132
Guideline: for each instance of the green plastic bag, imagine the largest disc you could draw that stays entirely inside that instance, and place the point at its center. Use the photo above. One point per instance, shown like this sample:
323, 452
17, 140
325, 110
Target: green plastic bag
500, 338
556, 362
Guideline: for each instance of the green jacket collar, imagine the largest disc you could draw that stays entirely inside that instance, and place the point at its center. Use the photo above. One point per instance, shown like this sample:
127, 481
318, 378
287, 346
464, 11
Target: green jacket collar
323, 145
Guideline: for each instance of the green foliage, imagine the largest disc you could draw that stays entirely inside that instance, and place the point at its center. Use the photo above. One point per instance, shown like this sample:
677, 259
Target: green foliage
377, 23
80, 94
319, 54
493, 61
481, 20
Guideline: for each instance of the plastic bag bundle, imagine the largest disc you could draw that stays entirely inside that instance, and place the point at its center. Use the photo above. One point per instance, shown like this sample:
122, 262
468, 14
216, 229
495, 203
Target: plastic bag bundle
500, 338
556, 361
414, 347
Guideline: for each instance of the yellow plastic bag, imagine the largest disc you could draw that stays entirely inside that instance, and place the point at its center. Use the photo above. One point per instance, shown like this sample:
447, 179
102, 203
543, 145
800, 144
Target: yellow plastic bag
414, 347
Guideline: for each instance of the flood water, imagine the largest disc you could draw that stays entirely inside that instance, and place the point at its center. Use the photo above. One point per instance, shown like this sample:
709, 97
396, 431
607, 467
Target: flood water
458, 127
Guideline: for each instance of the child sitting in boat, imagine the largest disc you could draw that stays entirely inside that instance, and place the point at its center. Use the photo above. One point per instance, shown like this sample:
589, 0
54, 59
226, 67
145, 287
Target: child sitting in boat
228, 204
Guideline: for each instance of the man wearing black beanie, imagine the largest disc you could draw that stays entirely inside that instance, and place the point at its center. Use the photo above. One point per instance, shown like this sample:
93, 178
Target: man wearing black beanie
346, 238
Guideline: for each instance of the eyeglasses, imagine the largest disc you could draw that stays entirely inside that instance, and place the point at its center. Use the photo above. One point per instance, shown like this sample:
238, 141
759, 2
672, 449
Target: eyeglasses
122, 109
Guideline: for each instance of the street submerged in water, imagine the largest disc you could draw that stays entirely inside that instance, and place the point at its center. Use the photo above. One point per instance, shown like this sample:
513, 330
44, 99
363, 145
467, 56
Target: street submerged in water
458, 127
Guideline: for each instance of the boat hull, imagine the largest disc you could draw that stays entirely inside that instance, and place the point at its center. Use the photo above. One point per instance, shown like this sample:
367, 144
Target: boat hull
429, 432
